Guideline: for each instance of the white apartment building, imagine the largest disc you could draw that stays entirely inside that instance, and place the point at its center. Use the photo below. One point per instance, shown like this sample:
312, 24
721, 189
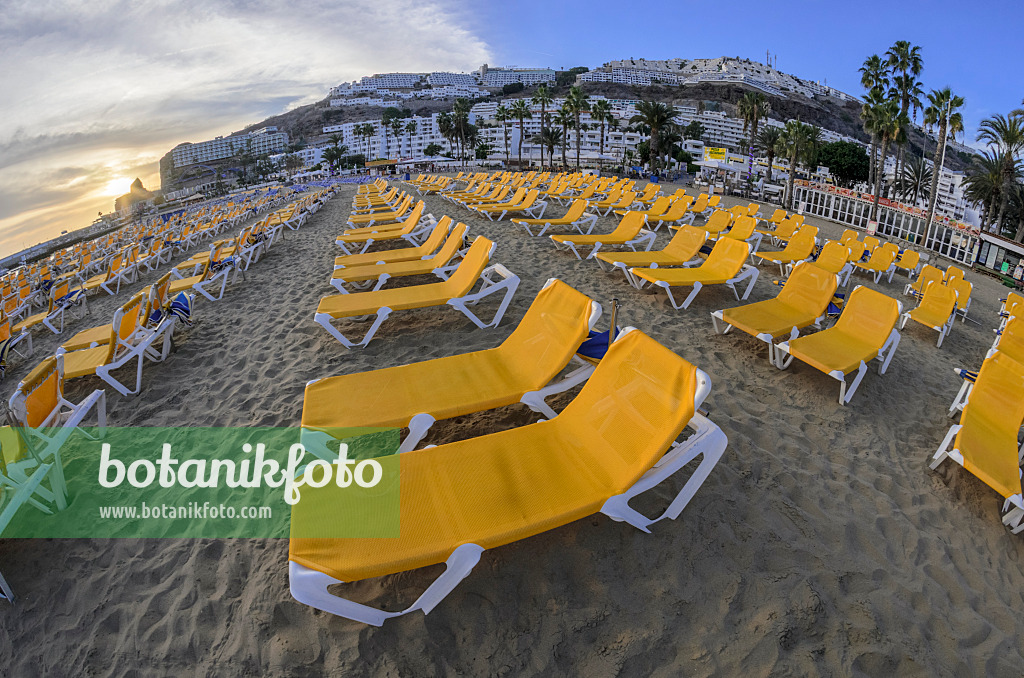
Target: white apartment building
366, 101
723, 69
440, 79
263, 140
499, 77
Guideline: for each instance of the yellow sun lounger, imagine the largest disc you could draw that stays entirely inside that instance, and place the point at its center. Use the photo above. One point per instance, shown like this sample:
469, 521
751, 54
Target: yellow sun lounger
672, 216
531, 205
882, 262
440, 264
865, 331
429, 246
927, 275
629, 233
724, 266
937, 310
454, 292
414, 230
718, 222
909, 261
622, 202
605, 448
802, 301
129, 343
985, 440
1009, 340
382, 218
800, 248
681, 250
784, 229
520, 369
835, 258
576, 218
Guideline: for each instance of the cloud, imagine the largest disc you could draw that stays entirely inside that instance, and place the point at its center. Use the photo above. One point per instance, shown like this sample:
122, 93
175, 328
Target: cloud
110, 86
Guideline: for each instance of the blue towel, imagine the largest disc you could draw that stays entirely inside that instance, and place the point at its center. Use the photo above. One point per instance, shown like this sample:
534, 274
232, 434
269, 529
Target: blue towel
596, 344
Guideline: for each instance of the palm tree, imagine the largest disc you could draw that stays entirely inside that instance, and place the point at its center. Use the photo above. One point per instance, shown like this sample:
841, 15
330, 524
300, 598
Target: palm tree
336, 139
577, 101
564, 119
460, 117
503, 115
984, 185
752, 107
888, 121
793, 141
446, 129
943, 111
767, 140
548, 138
655, 115
914, 181
542, 97
1006, 136
397, 127
520, 110
813, 139
904, 60
874, 74
873, 101
601, 113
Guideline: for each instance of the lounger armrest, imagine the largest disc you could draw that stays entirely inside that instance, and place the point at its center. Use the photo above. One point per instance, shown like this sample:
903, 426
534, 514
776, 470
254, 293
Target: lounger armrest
708, 442
536, 400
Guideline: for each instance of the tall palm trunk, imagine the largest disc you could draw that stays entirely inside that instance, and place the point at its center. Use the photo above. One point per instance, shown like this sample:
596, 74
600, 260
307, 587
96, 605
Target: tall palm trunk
1007, 188
871, 165
521, 142
565, 142
1020, 227
507, 158
579, 140
878, 182
789, 182
933, 195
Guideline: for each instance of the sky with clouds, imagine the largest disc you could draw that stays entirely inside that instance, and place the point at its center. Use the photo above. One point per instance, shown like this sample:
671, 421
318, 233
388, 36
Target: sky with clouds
95, 93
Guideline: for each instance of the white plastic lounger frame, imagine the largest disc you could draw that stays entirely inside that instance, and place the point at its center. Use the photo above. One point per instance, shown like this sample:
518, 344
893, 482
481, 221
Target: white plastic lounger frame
1013, 507
773, 356
417, 237
709, 442
496, 278
846, 391
746, 272
586, 220
644, 238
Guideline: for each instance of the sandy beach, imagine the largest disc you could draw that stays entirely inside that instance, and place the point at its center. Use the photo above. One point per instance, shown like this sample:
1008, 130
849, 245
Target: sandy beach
821, 544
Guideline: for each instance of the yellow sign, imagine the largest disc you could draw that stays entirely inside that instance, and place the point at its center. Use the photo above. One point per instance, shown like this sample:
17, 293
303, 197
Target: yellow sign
714, 153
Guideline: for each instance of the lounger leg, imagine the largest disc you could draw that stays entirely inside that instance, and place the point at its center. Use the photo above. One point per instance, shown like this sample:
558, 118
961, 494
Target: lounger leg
310, 587
846, 392
509, 285
697, 286
961, 398
708, 442
325, 320
944, 452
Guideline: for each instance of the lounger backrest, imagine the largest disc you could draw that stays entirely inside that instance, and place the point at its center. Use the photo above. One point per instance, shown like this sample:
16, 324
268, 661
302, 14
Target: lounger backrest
553, 328
686, 243
778, 216
833, 257
628, 198
650, 190
939, 298
660, 206
531, 198
518, 196
787, 228
40, 393
909, 260
742, 228
1014, 304
630, 225
869, 316
892, 247
125, 323
638, 400
1011, 341
738, 211
753, 209
990, 421
856, 249
870, 242
472, 265
953, 273
809, 289
963, 292
576, 210
928, 275
848, 235
719, 220
414, 217
882, 258
727, 257
701, 203
451, 246
801, 245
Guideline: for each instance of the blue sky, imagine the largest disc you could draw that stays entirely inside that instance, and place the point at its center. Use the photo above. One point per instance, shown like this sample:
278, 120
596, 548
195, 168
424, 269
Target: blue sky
95, 93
